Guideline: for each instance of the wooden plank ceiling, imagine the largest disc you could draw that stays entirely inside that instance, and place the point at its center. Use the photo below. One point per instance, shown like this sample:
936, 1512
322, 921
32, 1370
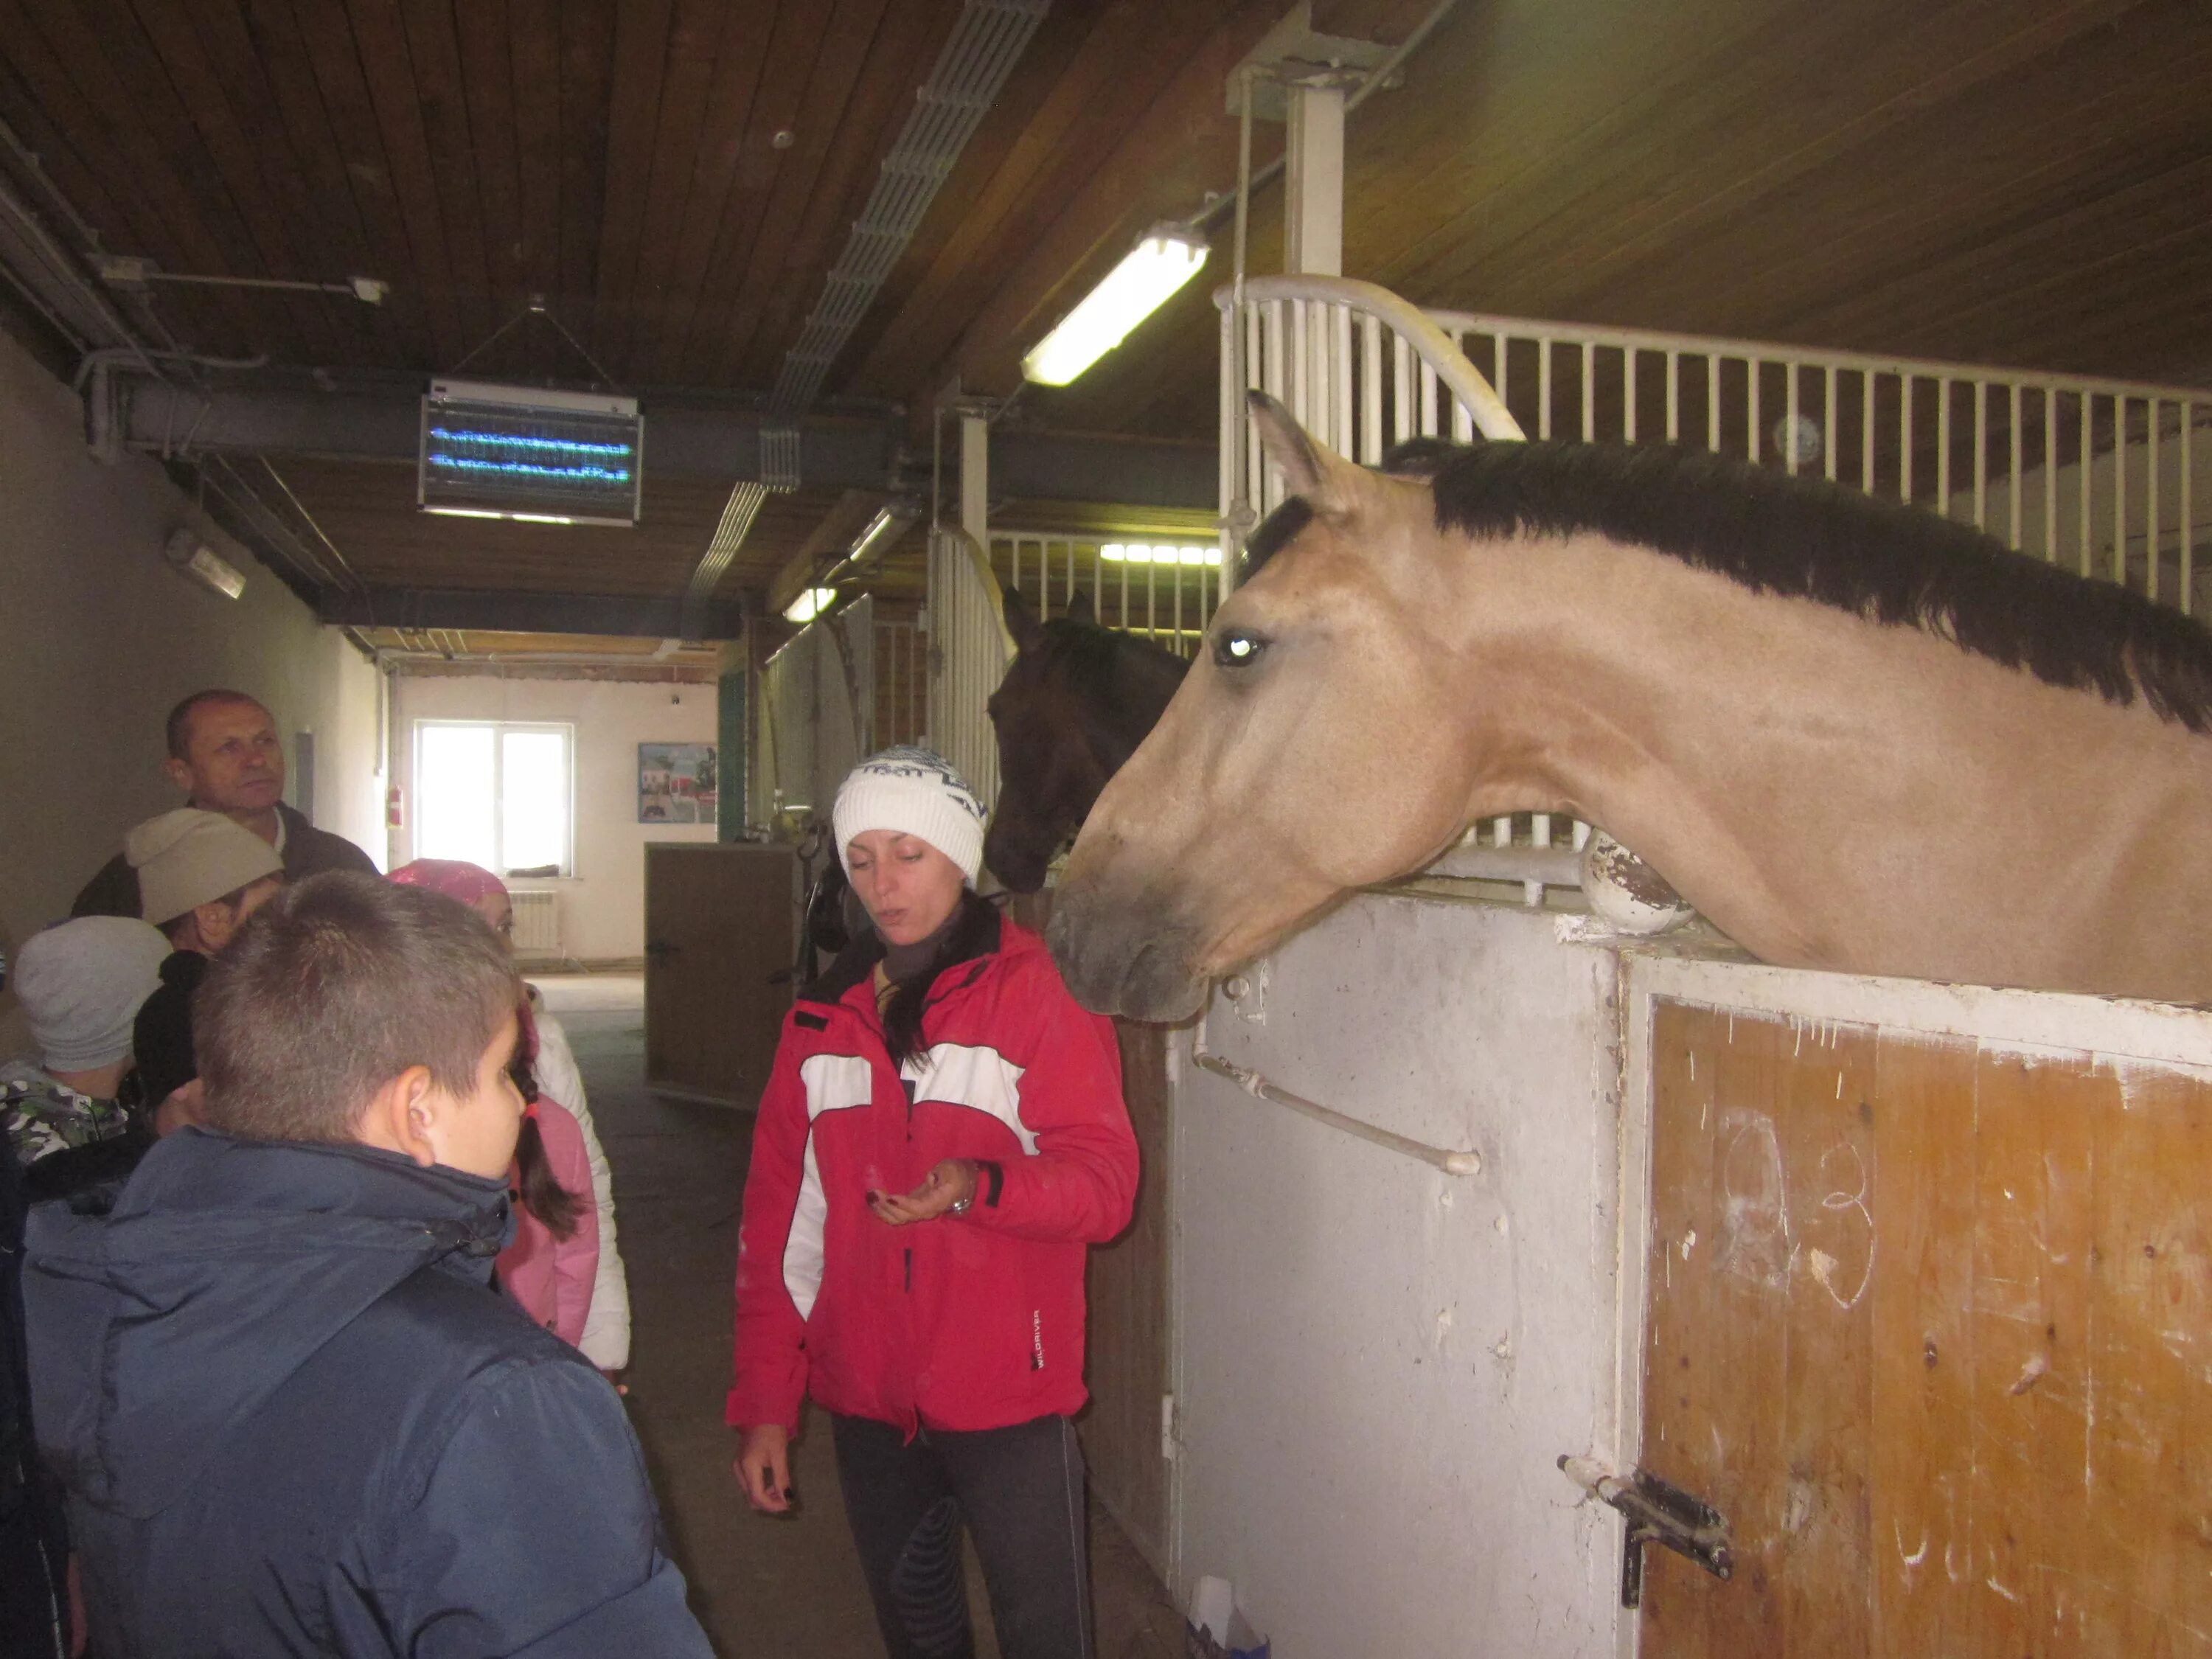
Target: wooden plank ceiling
2009, 180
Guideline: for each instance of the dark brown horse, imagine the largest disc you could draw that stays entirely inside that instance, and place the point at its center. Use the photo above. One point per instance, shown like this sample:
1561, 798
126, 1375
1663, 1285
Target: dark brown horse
1076, 702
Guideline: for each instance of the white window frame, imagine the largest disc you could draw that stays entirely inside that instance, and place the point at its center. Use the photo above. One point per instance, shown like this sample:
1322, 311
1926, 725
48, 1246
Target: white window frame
567, 733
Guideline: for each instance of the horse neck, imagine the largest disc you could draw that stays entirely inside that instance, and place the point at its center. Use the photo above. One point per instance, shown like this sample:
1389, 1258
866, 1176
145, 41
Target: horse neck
1628, 689
1143, 680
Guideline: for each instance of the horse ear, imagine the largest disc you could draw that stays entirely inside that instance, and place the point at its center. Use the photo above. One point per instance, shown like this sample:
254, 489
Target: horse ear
1022, 624
1308, 469
1079, 612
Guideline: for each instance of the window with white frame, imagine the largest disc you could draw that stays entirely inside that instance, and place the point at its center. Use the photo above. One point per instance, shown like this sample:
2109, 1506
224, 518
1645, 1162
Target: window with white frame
497, 794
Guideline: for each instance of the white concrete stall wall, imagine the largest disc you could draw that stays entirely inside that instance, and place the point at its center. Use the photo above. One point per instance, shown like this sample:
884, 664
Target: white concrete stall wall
603, 905
103, 638
1378, 1366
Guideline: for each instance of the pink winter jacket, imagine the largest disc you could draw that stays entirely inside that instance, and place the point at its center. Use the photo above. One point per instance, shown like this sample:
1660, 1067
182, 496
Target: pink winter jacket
551, 1278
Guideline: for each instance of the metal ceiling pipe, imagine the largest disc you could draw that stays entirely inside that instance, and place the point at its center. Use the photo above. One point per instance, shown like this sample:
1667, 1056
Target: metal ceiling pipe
43, 270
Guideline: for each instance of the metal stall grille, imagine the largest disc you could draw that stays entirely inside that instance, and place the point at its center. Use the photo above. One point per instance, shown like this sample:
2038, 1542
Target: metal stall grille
1161, 587
818, 702
2097, 475
967, 655
901, 682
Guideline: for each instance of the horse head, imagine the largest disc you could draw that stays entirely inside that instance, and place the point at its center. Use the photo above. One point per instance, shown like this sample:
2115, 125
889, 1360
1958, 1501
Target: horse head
1309, 753
1076, 701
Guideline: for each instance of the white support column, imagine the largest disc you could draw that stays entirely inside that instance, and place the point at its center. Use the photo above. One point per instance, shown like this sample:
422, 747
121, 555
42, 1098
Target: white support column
976, 476
1313, 233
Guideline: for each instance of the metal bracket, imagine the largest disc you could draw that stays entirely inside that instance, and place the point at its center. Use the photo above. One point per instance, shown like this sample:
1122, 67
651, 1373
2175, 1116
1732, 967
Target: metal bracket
778, 456
1657, 1512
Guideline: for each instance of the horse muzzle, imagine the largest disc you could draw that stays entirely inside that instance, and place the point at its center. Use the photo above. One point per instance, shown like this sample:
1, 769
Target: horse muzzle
1123, 959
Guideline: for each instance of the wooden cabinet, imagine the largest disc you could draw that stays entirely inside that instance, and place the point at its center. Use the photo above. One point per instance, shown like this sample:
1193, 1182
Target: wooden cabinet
721, 930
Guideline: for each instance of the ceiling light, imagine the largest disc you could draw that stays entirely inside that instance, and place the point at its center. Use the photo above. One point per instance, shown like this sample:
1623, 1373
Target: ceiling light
1159, 553
810, 605
1133, 291
890, 520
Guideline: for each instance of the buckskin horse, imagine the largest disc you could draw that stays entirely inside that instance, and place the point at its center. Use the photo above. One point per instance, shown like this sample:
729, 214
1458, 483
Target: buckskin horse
1855, 735
1075, 702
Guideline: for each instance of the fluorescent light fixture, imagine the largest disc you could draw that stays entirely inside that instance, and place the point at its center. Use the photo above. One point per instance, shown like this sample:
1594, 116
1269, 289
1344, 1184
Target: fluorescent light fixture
1159, 553
1133, 291
892, 520
189, 554
810, 605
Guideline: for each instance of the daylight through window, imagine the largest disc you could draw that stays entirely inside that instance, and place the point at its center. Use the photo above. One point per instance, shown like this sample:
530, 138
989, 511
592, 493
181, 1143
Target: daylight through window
495, 794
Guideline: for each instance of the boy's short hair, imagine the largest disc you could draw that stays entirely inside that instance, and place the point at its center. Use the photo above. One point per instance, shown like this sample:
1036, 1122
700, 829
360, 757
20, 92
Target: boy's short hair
331, 989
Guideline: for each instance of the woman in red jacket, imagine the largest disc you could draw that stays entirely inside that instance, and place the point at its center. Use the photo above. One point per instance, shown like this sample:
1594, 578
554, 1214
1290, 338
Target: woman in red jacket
941, 1139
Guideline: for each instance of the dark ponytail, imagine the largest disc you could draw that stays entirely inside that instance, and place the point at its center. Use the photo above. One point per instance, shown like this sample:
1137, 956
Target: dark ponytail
538, 1192
903, 1009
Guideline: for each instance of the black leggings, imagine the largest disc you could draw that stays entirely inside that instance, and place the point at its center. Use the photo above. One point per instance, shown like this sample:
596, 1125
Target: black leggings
1020, 1492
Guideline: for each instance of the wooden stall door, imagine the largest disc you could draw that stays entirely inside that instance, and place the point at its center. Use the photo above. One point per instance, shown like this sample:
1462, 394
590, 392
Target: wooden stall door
1127, 1289
1928, 1325
719, 923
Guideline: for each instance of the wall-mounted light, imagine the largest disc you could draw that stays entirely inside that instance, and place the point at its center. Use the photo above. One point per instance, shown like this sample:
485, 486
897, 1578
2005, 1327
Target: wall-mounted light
188, 553
1144, 282
810, 605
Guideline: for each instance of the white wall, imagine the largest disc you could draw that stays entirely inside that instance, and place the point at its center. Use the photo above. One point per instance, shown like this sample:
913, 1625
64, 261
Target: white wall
603, 906
102, 638
1378, 1366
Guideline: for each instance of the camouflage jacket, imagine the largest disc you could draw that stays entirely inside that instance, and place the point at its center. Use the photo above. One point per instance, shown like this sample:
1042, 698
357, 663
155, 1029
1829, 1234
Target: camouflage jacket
42, 1114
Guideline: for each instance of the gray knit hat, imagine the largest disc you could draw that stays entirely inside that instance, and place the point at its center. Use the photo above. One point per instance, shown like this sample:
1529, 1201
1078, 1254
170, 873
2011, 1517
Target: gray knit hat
81, 983
189, 857
916, 792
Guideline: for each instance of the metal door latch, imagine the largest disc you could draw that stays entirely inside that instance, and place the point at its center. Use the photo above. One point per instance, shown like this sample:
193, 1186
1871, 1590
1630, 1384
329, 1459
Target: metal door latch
1656, 1513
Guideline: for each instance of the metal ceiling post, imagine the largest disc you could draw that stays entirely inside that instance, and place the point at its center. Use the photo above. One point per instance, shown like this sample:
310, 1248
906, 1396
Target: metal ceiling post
1313, 225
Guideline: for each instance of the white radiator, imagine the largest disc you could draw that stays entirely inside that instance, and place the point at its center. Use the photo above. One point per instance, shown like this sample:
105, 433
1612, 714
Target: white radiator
536, 924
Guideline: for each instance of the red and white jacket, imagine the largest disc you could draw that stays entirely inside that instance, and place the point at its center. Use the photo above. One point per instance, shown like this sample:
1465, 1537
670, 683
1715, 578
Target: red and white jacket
969, 1321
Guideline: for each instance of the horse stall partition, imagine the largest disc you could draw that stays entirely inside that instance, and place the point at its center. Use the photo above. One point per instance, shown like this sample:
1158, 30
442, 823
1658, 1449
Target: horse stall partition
1911, 1284
817, 714
968, 654
1925, 1312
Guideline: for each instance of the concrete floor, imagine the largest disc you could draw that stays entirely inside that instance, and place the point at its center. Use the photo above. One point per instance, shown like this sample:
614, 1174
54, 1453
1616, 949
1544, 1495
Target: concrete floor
761, 1587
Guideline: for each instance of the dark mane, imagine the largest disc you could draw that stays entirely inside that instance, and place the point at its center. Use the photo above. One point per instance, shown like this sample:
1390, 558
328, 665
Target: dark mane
1090, 655
1808, 538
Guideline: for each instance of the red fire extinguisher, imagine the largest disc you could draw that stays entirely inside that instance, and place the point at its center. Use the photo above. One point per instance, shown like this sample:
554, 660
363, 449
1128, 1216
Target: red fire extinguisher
395, 808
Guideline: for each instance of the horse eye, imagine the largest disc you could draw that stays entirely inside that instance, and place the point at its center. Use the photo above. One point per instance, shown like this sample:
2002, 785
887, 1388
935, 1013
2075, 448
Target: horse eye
1237, 650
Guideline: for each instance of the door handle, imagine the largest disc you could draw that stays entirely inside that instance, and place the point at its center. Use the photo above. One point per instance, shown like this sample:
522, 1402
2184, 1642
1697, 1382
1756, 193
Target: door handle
660, 950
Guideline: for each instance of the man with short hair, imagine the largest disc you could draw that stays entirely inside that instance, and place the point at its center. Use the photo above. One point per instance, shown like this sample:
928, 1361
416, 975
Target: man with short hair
291, 1413
224, 754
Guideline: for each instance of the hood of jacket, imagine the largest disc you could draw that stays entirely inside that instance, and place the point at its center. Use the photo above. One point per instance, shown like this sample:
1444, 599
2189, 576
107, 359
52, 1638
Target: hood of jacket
222, 1267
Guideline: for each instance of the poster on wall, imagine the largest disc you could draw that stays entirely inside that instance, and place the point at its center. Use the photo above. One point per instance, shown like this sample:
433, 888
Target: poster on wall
675, 783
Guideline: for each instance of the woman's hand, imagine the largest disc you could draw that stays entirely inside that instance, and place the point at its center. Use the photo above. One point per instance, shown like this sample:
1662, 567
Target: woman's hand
951, 1182
764, 1469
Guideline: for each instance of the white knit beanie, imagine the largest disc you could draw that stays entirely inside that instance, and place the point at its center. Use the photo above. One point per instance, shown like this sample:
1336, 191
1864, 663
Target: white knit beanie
189, 857
915, 793
81, 983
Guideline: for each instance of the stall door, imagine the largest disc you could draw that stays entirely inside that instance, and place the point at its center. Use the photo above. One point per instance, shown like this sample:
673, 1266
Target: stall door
719, 932
1930, 1326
